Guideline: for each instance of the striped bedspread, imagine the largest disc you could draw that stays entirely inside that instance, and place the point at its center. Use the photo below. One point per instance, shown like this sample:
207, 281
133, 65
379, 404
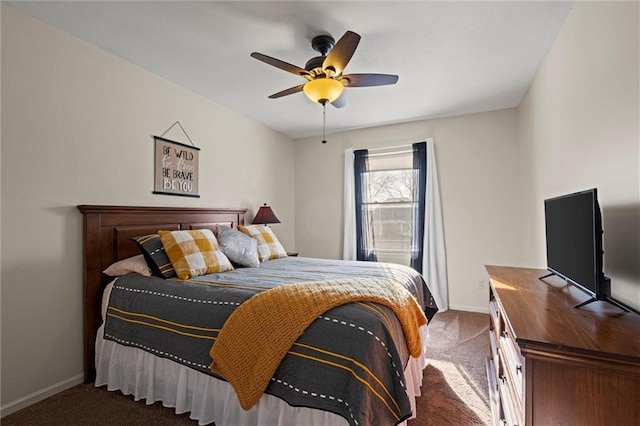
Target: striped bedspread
349, 361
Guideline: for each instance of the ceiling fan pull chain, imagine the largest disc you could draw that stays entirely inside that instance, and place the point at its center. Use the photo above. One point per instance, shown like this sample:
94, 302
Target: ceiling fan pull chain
324, 122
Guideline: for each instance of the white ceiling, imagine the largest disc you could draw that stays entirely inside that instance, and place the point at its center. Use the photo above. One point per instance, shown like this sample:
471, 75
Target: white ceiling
451, 57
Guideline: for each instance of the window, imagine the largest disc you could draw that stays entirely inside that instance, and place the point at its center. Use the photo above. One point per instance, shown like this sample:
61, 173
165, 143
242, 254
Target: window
389, 186
392, 214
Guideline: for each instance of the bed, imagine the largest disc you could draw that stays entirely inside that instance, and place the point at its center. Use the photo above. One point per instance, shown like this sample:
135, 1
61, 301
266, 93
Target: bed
344, 390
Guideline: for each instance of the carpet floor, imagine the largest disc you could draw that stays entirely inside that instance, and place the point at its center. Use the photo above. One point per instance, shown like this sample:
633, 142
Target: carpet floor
454, 389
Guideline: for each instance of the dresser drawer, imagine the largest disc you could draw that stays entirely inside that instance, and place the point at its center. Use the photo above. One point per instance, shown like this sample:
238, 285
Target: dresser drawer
509, 411
513, 364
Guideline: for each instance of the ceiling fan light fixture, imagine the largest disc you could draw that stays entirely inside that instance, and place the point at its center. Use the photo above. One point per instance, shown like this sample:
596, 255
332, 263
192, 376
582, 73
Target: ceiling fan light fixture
323, 90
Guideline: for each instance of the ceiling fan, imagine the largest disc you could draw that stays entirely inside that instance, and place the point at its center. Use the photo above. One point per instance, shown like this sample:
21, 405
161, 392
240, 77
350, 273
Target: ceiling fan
325, 81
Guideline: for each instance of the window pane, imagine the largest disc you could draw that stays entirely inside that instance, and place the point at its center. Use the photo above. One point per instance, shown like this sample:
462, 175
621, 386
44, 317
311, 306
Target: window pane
392, 230
392, 226
403, 160
389, 186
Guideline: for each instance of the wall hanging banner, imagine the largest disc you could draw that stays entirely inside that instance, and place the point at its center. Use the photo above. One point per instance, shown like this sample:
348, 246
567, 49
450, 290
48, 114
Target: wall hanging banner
176, 168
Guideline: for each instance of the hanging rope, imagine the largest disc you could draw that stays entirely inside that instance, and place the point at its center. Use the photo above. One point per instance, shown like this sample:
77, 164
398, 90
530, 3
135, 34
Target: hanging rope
183, 131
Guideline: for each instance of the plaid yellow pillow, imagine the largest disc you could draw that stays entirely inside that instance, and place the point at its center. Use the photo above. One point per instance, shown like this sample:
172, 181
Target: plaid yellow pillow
194, 253
268, 245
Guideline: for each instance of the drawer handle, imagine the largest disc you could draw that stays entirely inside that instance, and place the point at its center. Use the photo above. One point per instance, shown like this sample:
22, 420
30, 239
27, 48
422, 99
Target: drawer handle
519, 368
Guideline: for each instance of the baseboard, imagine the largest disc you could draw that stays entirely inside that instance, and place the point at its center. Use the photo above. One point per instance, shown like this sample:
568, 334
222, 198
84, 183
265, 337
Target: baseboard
45, 393
483, 310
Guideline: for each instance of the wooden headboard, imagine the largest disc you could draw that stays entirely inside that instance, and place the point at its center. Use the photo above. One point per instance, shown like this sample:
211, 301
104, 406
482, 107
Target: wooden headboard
107, 232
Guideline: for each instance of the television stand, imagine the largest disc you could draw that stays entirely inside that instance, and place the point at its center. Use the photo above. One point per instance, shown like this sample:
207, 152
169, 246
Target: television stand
546, 276
604, 296
551, 274
607, 299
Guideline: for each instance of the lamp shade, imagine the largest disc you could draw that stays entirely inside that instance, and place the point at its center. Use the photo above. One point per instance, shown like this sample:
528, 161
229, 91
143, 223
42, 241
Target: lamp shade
323, 90
265, 215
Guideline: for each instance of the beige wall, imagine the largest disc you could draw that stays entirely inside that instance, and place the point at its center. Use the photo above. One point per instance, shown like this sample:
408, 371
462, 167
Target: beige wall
477, 167
76, 129
579, 128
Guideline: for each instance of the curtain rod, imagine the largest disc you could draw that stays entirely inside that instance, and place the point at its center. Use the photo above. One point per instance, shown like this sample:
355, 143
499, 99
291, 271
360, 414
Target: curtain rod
391, 147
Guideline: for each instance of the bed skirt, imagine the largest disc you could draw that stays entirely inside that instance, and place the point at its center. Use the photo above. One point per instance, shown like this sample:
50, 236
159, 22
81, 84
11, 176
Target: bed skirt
135, 372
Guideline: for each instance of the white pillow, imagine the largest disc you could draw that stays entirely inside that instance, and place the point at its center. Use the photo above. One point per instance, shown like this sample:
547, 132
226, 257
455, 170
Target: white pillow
239, 248
131, 264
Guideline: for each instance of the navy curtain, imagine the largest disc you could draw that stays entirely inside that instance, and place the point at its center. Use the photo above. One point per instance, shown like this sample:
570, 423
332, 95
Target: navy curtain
419, 203
365, 244
419, 193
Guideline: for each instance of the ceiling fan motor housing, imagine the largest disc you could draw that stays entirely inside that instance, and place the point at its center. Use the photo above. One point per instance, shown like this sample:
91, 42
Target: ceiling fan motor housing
314, 65
323, 44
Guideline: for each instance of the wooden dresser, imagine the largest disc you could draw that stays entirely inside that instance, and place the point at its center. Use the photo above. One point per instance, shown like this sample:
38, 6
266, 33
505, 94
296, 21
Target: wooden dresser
553, 364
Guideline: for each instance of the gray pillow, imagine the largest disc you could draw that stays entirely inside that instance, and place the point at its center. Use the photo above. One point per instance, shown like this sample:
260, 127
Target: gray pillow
238, 247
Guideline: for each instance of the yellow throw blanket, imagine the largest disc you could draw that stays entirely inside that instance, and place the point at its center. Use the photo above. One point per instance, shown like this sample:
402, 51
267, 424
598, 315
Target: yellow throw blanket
256, 336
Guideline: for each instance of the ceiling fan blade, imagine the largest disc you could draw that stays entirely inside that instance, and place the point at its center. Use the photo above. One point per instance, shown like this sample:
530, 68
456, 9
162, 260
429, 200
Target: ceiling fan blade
341, 54
280, 64
366, 80
289, 91
341, 102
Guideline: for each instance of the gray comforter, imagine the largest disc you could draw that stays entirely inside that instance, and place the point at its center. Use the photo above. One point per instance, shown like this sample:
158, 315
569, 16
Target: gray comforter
350, 361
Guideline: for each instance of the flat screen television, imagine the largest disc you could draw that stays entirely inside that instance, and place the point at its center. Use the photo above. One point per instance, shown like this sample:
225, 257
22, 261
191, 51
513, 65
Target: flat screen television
574, 232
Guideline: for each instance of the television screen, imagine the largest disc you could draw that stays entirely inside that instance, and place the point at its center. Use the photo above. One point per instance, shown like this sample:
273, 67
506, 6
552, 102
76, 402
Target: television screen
574, 238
